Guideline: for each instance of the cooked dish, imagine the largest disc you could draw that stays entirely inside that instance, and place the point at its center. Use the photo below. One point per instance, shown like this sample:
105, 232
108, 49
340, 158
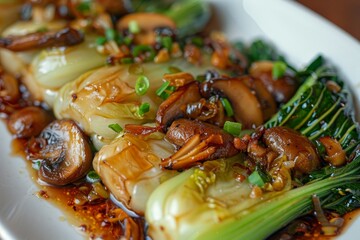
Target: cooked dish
159, 127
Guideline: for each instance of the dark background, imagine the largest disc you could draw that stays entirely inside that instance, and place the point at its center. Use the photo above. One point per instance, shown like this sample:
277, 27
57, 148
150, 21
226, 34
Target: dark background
344, 13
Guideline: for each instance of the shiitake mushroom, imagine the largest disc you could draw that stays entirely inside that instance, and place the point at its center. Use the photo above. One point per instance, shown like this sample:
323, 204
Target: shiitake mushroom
65, 153
29, 121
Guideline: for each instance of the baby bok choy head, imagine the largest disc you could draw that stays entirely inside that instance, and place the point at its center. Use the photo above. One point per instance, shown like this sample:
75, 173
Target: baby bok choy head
212, 202
130, 168
117, 96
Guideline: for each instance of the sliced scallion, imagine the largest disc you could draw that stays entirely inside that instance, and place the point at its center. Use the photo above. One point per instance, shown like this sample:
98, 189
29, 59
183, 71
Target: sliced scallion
110, 34
127, 40
164, 95
84, 6
167, 42
162, 88
233, 128
279, 69
126, 60
101, 41
92, 177
227, 106
144, 108
255, 179
115, 127
198, 41
142, 85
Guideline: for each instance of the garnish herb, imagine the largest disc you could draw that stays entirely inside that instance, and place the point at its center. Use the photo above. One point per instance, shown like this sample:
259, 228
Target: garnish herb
144, 108
92, 177
279, 69
256, 179
126, 60
228, 108
142, 85
234, 128
115, 127
110, 34
84, 6
137, 50
101, 41
167, 42
162, 88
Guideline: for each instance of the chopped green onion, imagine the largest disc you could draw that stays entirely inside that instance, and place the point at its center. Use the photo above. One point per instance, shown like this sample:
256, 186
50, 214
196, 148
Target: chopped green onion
115, 127
84, 6
171, 88
162, 88
127, 40
134, 27
198, 41
228, 108
110, 34
126, 60
173, 69
164, 95
142, 85
36, 164
233, 128
144, 108
256, 179
100, 41
92, 177
278, 70
137, 50
167, 42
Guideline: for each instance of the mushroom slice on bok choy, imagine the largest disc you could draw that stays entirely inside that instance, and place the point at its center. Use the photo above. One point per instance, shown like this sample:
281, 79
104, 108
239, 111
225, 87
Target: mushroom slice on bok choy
210, 202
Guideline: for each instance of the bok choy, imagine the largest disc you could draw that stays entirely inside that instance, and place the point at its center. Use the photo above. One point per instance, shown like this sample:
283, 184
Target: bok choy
211, 202
108, 96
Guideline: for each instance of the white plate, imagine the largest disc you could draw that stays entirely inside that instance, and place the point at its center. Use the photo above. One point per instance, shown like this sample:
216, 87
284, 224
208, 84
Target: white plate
297, 32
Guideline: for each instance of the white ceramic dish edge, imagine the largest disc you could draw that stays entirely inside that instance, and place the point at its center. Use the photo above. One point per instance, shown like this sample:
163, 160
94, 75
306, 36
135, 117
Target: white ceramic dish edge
297, 32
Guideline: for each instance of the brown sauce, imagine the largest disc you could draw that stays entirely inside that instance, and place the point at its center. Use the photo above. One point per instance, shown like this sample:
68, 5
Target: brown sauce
94, 220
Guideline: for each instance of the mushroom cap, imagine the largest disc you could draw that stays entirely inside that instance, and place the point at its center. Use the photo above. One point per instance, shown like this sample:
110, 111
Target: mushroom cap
66, 156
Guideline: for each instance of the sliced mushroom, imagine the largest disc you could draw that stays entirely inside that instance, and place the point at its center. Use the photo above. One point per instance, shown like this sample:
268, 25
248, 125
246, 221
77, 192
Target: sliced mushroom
246, 106
296, 147
175, 106
182, 130
197, 142
29, 122
66, 154
9, 87
282, 89
267, 102
148, 23
64, 37
335, 154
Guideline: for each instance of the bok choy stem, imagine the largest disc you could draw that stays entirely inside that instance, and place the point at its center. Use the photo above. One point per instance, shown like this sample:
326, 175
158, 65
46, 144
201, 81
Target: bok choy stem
259, 221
